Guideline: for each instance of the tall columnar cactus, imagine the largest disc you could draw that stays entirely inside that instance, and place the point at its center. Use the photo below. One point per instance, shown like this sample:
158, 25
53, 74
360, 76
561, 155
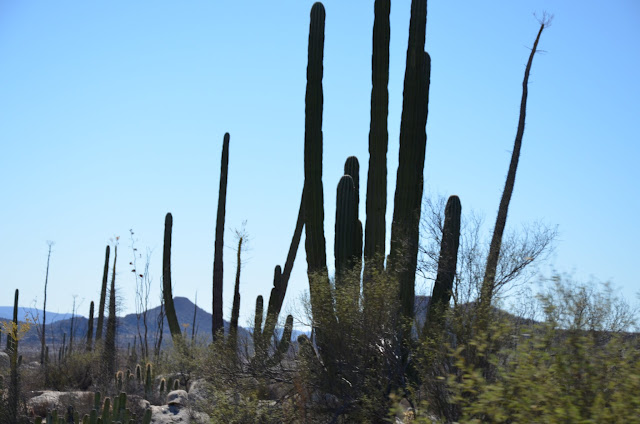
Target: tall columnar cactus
235, 311
376, 201
109, 352
320, 290
413, 140
345, 246
257, 324
169, 308
148, 381
103, 296
443, 286
488, 284
12, 348
90, 329
217, 322
352, 168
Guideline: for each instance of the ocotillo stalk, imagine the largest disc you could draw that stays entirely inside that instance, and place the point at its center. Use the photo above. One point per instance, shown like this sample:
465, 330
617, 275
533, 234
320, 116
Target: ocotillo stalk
217, 322
235, 311
44, 308
103, 296
405, 226
376, 203
90, 329
12, 339
167, 294
488, 284
346, 229
320, 295
443, 286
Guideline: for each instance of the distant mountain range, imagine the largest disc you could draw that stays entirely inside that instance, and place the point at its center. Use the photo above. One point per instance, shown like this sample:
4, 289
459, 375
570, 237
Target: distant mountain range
6, 312
127, 325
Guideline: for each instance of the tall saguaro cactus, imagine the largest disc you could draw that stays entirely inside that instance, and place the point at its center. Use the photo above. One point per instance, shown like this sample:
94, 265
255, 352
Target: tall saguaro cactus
376, 202
103, 295
320, 290
413, 140
217, 322
167, 295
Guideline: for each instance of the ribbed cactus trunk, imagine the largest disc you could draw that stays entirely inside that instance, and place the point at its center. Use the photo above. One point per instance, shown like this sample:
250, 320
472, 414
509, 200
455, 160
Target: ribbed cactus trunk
488, 284
257, 325
217, 322
90, 329
376, 203
235, 310
103, 296
346, 247
405, 226
12, 348
109, 352
319, 286
167, 295
352, 168
443, 286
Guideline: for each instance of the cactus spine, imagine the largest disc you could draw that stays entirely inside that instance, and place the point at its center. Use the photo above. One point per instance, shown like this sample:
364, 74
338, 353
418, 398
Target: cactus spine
409, 182
103, 296
170, 310
217, 322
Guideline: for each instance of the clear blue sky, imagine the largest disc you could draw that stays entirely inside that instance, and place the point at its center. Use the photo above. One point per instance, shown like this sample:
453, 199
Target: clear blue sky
112, 114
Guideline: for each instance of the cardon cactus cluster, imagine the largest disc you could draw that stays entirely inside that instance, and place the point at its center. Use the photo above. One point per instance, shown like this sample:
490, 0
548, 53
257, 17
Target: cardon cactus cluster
405, 225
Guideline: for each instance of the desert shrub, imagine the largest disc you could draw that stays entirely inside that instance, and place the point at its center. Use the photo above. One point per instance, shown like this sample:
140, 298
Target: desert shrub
578, 365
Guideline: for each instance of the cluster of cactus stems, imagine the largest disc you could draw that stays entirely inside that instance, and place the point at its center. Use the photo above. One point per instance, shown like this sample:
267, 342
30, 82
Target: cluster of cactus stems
102, 413
262, 336
410, 169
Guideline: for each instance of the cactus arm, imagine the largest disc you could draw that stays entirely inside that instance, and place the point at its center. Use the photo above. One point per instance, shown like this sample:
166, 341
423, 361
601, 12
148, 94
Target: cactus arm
170, 310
